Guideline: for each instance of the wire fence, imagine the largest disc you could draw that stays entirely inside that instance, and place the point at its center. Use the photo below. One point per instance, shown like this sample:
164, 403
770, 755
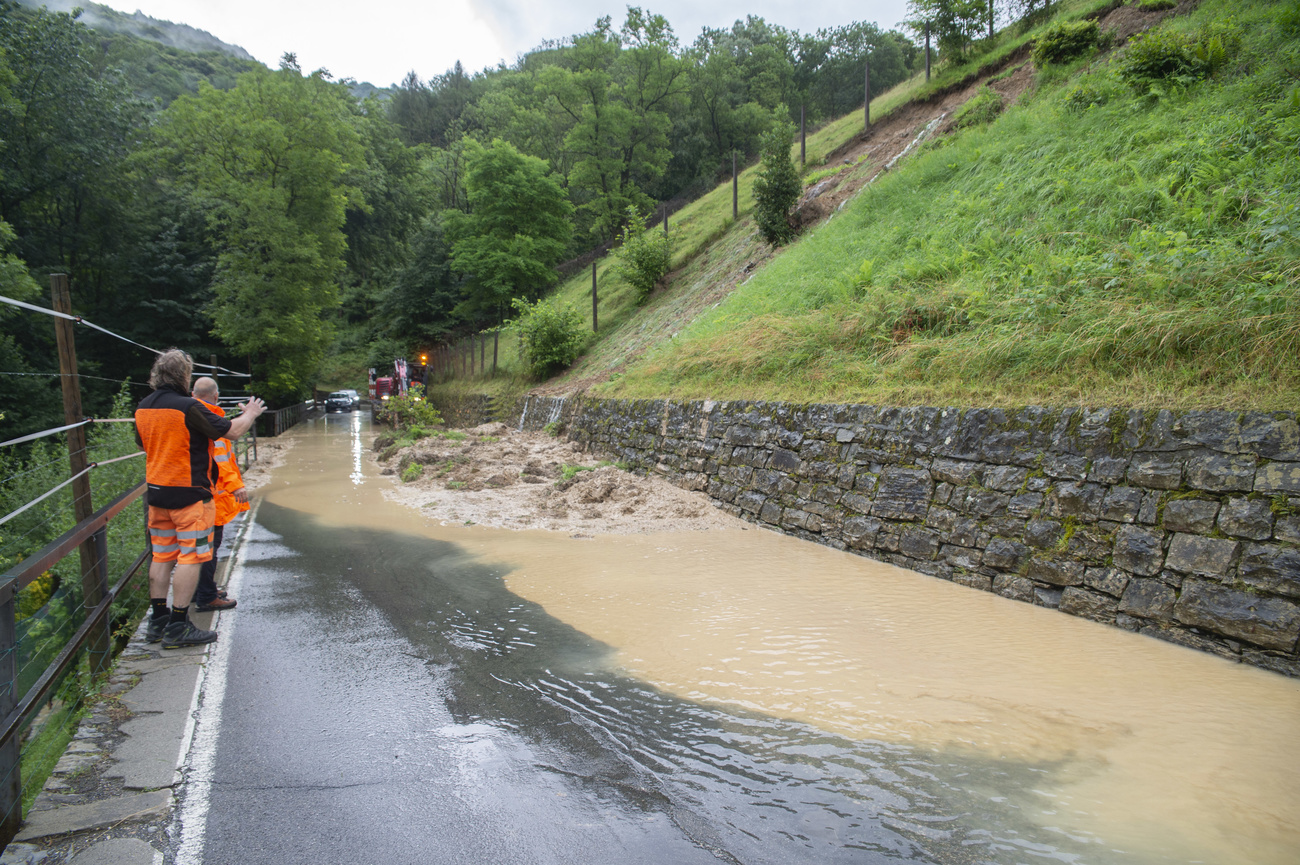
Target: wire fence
69, 595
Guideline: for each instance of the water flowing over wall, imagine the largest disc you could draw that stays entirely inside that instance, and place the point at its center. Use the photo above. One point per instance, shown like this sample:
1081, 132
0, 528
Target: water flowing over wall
1184, 526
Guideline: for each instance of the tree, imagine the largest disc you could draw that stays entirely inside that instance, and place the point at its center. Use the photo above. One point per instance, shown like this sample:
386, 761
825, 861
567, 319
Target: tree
68, 191
517, 228
643, 256
955, 23
777, 186
268, 163
620, 89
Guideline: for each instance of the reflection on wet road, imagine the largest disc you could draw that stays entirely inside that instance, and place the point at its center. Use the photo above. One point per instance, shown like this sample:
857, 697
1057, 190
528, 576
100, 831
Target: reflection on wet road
397, 692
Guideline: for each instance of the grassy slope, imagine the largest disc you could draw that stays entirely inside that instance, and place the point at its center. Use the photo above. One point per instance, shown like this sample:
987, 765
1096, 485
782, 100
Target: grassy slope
1135, 253
707, 242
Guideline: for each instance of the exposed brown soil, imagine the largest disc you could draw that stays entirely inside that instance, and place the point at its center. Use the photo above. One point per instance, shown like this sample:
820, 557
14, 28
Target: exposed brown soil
500, 477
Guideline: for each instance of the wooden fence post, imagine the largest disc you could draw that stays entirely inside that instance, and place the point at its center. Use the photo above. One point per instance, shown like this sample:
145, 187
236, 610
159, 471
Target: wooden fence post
803, 137
82, 506
735, 189
927, 50
866, 97
593, 297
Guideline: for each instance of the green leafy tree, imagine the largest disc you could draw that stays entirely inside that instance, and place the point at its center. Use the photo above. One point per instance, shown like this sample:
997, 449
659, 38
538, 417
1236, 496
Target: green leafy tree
777, 186
268, 162
954, 23
620, 90
551, 335
517, 228
67, 191
643, 256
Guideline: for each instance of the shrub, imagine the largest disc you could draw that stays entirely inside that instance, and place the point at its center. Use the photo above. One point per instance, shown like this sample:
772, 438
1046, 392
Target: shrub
983, 107
410, 411
551, 335
1288, 19
1167, 56
1088, 93
1156, 5
643, 257
777, 186
412, 473
1065, 41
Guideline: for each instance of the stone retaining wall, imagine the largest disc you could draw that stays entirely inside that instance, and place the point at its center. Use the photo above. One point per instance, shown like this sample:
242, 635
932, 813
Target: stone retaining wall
1183, 526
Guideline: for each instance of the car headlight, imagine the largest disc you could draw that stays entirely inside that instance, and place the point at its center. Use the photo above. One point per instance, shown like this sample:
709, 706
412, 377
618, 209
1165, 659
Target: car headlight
385, 396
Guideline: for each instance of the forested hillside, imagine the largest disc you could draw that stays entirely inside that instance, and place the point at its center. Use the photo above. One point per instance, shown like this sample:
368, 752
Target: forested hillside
1109, 219
270, 218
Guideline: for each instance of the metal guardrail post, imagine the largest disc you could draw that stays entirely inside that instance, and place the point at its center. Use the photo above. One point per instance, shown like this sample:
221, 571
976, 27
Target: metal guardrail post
100, 651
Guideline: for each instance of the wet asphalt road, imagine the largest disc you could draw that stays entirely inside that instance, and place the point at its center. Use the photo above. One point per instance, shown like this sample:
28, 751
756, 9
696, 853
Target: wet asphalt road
388, 700
344, 739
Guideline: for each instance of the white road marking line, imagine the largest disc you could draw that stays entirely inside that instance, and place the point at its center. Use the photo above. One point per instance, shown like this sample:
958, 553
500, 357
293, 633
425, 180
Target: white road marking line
204, 725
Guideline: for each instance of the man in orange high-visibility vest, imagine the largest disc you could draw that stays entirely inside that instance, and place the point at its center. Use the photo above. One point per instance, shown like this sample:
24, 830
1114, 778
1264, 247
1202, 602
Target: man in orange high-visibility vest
176, 432
230, 497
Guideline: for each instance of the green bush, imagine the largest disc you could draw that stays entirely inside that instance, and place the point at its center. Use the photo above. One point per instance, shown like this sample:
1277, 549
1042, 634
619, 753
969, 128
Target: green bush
1087, 94
777, 186
551, 335
1156, 5
643, 257
983, 107
410, 411
412, 473
1167, 56
1065, 41
1288, 19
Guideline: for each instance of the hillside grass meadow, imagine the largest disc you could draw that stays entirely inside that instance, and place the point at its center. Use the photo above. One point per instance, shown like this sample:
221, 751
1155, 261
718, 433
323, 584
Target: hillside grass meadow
1101, 242
705, 236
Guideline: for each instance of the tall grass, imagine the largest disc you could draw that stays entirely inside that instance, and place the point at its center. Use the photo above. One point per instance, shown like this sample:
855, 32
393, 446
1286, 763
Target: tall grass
1093, 243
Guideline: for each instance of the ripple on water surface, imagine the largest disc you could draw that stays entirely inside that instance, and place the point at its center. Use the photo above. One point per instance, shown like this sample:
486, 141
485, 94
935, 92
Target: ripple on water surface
810, 700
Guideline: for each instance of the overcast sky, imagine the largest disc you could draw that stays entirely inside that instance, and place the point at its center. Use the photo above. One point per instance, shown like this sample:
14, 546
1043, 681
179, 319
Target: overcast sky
381, 40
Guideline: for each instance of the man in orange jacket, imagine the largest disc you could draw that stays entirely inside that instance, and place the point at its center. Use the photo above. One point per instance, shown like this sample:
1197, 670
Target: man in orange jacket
228, 494
176, 432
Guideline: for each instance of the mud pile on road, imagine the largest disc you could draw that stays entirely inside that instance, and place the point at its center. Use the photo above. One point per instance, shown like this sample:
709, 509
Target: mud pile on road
495, 476
270, 454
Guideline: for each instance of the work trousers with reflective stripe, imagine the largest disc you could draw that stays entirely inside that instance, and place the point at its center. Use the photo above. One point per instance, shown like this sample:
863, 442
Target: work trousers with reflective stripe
206, 593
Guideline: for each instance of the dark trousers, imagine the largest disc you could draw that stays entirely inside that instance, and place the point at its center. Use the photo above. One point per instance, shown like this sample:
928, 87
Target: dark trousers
207, 590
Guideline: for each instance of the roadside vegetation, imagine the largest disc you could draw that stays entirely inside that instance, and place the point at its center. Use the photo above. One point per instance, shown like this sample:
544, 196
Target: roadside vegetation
1125, 234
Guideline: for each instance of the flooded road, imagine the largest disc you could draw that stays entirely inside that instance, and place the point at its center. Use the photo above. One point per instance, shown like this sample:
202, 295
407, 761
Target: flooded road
403, 691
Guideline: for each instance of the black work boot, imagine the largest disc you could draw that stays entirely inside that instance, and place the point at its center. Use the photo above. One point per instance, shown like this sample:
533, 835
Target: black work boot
180, 634
153, 632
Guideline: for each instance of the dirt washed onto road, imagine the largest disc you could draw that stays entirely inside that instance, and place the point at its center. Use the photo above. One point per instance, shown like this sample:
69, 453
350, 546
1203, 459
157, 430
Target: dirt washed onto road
494, 476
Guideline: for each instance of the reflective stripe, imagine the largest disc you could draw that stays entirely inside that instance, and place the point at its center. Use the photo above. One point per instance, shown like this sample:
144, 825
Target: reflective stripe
165, 548
201, 549
189, 536
163, 533
223, 458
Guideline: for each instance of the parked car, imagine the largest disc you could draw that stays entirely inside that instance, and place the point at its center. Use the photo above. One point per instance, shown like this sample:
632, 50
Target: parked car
342, 400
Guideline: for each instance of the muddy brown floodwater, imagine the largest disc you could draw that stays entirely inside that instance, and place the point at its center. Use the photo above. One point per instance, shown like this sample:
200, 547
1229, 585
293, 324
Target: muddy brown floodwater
1153, 752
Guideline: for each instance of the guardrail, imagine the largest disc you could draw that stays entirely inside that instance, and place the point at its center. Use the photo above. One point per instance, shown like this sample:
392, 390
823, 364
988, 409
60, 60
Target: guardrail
18, 709
284, 418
